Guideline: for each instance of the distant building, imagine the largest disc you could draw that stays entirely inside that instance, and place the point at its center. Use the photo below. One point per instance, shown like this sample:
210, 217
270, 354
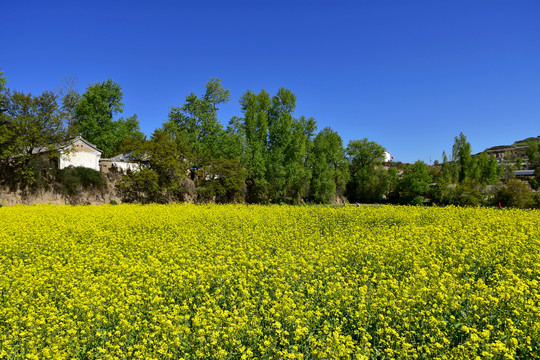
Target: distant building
387, 156
73, 152
121, 162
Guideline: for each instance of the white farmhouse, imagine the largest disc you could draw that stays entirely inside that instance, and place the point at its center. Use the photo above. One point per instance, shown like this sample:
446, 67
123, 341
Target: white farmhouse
79, 152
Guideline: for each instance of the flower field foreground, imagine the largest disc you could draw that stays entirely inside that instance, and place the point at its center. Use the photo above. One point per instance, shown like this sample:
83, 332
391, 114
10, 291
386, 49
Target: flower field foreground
276, 282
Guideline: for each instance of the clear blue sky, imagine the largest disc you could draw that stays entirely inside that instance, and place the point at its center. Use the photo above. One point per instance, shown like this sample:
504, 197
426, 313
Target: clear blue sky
409, 75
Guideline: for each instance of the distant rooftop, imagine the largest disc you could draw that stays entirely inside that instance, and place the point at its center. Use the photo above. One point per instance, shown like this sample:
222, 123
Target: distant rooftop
524, 172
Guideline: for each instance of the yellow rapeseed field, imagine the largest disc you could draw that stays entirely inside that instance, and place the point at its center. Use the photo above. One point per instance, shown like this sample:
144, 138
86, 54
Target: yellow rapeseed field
274, 282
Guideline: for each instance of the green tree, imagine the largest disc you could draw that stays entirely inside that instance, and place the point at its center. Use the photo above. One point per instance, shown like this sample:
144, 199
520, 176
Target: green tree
303, 137
414, 184
163, 170
30, 127
254, 124
533, 151
490, 171
330, 171
282, 157
95, 111
4, 119
140, 187
197, 122
391, 180
3, 82
446, 174
216, 94
475, 169
127, 128
69, 102
233, 144
298, 173
3, 95
223, 181
461, 153
365, 157
310, 128
537, 178
94, 117
277, 147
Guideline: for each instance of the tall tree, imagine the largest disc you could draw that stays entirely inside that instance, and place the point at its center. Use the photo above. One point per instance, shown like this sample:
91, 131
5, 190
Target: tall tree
281, 157
94, 117
3, 81
310, 128
32, 122
461, 152
95, 111
233, 143
197, 122
330, 171
216, 94
365, 157
446, 169
4, 96
4, 101
298, 173
127, 128
256, 108
276, 147
488, 169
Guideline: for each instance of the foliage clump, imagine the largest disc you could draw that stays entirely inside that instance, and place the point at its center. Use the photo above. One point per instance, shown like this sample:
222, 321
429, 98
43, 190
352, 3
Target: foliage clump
75, 179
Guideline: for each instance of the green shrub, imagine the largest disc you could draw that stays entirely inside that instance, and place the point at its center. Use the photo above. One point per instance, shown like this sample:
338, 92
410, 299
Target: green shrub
414, 184
140, 187
74, 179
469, 193
515, 193
443, 193
534, 183
536, 200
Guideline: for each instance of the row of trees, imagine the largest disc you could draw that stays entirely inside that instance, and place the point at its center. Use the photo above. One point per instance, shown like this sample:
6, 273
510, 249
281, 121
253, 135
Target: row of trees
266, 155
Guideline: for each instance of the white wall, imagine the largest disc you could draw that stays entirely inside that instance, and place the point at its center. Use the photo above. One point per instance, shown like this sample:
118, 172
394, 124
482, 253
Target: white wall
126, 165
80, 158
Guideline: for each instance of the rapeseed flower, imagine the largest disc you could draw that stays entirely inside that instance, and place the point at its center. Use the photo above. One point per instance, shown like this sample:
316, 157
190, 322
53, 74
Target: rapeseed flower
249, 282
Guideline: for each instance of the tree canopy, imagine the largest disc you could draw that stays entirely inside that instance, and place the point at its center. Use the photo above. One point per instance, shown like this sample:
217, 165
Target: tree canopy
367, 180
94, 117
29, 126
